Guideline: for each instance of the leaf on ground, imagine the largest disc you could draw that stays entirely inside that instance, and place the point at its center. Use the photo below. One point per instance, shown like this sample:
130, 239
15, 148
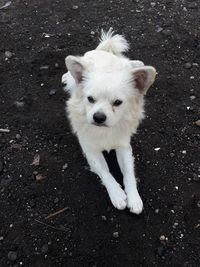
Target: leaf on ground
36, 160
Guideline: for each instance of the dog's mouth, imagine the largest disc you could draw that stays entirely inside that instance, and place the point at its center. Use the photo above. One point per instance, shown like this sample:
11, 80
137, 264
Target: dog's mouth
99, 124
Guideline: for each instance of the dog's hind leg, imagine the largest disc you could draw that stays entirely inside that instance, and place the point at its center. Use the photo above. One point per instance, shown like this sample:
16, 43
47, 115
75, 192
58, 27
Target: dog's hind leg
98, 165
126, 163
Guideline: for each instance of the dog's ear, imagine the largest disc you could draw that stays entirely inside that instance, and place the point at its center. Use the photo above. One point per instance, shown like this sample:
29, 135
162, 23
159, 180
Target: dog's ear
75, 67
143, 78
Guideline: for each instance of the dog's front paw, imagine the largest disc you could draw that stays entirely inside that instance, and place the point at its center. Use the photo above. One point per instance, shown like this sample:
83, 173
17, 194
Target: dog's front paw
134, 202
118, 197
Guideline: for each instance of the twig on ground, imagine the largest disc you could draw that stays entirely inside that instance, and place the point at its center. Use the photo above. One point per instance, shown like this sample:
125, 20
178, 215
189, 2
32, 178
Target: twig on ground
4, 130
52, 227
55, 213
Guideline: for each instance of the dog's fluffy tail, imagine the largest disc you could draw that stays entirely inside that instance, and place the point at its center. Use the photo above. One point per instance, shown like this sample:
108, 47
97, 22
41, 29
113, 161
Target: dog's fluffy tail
113, 43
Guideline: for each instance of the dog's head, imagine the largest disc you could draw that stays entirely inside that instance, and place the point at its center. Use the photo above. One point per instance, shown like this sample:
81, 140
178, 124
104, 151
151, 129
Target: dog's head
107, 93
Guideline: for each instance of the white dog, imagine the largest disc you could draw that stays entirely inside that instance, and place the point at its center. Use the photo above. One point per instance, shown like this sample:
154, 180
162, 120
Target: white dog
105, 108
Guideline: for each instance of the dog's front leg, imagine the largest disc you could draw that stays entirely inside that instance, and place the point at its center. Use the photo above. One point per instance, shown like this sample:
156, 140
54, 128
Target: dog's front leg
98, 165
126, 163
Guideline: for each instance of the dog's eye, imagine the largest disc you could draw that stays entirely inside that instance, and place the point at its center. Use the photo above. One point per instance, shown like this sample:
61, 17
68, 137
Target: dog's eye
117, 103
91, 99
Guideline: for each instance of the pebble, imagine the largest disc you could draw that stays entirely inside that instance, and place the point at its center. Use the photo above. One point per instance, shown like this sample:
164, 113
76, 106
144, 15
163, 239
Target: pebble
56, 65
196, 177
163, 238
157, 148
153, 4
52, 92
19, 104
1, 166
65, 166
198, 204
8, 54
172, 154
167, 32
192, 97
156, 210
188, 65
39, 177
1, 238
56, 200
159, 29
45, 67
193, 5
44, 248
116, 234
18, 136
103, 218
197, 123
12, 255
74, 7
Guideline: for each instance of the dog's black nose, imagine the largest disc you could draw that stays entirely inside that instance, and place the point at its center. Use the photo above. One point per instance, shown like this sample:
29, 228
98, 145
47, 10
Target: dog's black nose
99, 117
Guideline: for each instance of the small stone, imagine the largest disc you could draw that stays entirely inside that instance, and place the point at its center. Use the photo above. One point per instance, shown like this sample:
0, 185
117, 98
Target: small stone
52, 92
162, 238
172, 154
44, 248
198, 204
157, 211
12, 255
159, 29
45, 67
8, 54
192, 97
188, 65
56, 65
74, 7
184, 152
157, 148
116, 234
65, 166
19, 104
196, 177
193, 5
167, 32
153, 4
18, 136
40, 177
56, 200
1, 166
1, 238
35, 173
103, 218
36, 160
197, 123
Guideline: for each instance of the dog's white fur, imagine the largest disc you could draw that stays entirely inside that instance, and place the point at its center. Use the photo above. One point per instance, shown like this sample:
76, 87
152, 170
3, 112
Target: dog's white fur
106, 75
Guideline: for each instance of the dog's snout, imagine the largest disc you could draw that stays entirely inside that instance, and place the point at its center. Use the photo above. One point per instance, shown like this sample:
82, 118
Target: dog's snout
99, 117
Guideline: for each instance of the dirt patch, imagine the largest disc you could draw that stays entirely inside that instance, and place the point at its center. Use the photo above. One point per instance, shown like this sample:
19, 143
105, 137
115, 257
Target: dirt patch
87, 231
